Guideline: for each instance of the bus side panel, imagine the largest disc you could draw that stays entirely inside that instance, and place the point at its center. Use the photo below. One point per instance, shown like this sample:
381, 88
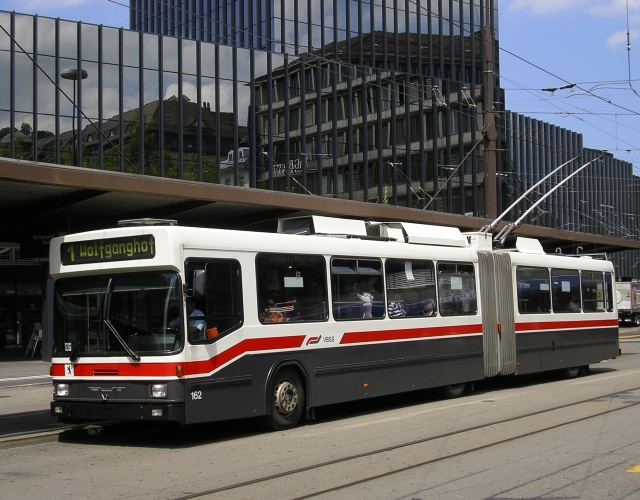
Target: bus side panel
224, 396
538, 351
239, 390
336, 375
377, 370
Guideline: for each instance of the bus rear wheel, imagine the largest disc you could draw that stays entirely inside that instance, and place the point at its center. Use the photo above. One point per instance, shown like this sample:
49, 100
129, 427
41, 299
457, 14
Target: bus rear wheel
286, 398
452, 391
571, 372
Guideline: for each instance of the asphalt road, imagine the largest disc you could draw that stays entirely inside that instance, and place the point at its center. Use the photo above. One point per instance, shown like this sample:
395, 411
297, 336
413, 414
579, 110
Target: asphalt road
526, 437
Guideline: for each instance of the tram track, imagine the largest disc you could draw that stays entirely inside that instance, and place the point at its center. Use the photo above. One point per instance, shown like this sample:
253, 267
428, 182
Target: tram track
434, 448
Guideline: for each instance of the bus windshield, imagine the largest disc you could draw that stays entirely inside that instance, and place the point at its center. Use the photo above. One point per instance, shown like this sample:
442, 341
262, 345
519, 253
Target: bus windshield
124, 314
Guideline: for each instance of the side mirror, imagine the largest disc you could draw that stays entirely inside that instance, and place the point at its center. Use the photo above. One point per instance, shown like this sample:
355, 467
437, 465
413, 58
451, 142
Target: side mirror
198, 284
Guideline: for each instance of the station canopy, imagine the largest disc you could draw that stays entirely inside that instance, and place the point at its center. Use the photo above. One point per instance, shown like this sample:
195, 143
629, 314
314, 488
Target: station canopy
39, 201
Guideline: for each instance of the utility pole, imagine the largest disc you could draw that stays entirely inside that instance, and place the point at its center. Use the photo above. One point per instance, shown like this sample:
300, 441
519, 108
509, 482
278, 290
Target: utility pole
489, 131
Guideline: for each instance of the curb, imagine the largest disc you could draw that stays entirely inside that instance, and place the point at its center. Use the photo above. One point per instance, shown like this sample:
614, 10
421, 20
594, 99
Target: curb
17, 440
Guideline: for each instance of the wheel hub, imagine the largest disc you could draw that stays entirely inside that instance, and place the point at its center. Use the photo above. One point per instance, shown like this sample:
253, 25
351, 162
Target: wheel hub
286, 398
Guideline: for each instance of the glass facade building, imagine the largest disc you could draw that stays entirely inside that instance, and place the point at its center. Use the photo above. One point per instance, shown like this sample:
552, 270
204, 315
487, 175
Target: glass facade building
377, 103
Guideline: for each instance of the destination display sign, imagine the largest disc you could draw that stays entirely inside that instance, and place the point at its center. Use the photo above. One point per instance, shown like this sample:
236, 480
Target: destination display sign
108, 250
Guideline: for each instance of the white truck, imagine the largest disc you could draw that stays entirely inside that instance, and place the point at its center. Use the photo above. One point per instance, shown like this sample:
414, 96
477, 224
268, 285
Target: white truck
628, 297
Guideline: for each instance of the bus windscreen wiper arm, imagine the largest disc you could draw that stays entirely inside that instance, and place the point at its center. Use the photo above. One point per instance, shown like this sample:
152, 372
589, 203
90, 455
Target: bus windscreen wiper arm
121, 340
75, 354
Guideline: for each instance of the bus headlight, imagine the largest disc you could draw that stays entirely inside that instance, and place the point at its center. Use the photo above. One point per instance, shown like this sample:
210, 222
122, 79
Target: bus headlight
61, 390
159, 391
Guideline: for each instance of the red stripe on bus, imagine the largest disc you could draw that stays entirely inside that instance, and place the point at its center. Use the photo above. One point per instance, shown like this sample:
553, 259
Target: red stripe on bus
412, 333
248, 345
188, 368
118, 369
565, 325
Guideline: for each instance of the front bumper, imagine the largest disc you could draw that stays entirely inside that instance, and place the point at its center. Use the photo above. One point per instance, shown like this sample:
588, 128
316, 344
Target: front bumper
82, 411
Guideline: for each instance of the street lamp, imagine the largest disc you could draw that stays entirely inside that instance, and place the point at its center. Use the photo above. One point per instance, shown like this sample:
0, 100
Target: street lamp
73, 74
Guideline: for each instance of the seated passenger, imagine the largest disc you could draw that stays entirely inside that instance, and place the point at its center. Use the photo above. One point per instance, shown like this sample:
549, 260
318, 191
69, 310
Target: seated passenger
273, 313
396, 308
429, 309
573, 305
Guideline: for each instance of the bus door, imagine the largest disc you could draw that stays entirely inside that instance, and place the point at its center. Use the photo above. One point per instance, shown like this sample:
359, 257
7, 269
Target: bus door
214, 312
498, 322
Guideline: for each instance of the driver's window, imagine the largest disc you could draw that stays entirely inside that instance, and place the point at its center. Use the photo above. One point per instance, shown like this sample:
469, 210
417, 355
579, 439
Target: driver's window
219, 311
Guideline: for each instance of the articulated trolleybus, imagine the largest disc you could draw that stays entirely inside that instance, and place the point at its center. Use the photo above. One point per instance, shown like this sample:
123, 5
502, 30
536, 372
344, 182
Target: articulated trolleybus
154, 321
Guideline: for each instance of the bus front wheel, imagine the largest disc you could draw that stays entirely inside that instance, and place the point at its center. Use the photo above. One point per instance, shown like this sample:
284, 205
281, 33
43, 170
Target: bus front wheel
286, 399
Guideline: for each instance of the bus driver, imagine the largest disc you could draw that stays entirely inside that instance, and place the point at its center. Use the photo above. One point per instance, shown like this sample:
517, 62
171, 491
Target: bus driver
196, 326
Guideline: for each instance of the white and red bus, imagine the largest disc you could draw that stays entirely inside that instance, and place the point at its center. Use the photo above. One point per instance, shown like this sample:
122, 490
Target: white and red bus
151, 320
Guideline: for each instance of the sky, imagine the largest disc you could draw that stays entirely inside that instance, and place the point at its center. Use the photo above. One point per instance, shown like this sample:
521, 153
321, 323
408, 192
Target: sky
581, 45
549, 44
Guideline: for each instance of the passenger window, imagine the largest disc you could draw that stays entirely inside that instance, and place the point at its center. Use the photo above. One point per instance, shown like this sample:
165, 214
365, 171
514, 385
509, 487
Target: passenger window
411, 288
533, 290
220, 311
291, 288
565, 290
593, 291
457, 289
357, 288
608, 279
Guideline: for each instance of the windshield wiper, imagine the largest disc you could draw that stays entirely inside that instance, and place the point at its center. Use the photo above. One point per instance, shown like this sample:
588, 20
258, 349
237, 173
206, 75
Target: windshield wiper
121, 340
75, 354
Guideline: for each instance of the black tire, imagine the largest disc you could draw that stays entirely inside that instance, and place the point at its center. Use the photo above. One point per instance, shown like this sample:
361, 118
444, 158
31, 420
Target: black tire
452, 391
285, 399
572, 372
